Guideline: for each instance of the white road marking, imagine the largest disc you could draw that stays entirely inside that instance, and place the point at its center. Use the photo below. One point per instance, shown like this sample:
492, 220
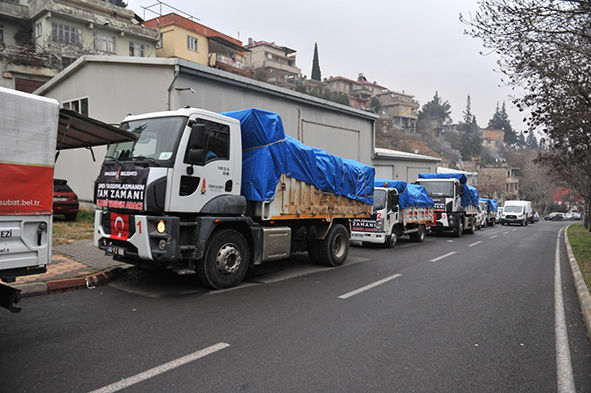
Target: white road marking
492, 237
473, 244
124, 383
443, 256
504, 233
365, 288
564, 369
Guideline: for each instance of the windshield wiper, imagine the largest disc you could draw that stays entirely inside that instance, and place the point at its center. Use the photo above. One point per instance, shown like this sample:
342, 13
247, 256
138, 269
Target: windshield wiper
113, 158
152, 160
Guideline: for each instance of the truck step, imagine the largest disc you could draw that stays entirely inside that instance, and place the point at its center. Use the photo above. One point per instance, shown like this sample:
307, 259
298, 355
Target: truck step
185, 271
187, 248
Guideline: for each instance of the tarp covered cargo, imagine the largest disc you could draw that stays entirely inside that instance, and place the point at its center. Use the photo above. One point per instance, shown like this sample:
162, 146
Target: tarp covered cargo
470, 196
492, 204
267, 153
460, 176
415, 196
399, 185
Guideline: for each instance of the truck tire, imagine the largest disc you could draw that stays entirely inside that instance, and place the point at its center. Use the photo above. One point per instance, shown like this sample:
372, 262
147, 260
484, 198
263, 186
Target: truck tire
460, 228
333, 250
419, 237
391, 239
226, 260
313, 250
471, 230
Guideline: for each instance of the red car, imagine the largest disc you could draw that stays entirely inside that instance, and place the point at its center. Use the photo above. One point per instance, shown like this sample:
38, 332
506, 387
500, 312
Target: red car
65, 200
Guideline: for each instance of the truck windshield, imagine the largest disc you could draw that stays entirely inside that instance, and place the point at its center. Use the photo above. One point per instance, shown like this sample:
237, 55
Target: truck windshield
513, 209
379, 199
439, 188
157, 140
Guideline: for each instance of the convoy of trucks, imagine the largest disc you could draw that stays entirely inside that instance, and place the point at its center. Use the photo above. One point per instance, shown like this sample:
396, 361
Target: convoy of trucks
399, 209
456, 203
212, 194
32, 128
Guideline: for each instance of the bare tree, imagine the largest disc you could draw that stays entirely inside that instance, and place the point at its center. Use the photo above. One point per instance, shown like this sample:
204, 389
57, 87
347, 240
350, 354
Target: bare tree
545, 47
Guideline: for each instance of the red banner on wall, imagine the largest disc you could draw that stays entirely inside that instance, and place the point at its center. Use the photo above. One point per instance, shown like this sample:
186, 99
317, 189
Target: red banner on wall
26, 189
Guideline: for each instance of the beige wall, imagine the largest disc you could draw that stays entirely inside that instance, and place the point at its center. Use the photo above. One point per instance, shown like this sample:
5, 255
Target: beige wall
174, 44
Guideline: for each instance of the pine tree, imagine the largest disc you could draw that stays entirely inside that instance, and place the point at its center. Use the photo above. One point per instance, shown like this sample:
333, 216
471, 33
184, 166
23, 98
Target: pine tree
316, 65
500, 121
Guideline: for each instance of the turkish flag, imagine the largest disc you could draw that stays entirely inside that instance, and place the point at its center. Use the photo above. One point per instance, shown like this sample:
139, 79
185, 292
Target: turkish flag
119, 226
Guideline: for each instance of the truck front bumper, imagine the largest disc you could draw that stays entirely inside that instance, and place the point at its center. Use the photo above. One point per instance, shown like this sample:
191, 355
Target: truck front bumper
147, 240
369, 237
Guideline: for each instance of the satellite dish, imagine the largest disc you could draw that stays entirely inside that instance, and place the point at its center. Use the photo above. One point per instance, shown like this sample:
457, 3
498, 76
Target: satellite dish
269, 56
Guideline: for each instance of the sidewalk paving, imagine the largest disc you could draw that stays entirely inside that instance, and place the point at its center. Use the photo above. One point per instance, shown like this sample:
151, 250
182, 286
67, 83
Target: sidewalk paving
75, 265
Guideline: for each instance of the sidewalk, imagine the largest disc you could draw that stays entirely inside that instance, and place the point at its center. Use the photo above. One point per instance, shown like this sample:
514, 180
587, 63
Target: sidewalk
76, 265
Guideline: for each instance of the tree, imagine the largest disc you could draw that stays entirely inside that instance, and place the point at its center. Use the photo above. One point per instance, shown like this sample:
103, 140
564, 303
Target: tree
434, 113
500, 121
375, 105
316, 65
470, 140
544, 48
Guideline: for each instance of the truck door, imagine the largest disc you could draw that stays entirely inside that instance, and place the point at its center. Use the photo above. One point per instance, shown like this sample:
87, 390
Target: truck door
203, 170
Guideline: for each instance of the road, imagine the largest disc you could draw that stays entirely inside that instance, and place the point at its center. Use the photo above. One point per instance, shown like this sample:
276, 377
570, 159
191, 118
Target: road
472, 314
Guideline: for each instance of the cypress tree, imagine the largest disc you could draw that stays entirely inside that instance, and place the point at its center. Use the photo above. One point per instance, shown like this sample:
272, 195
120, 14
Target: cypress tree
316, 65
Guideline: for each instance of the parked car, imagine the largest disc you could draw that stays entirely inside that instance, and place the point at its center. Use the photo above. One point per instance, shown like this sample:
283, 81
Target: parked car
65, 200
554, 216
536, 216
499, 212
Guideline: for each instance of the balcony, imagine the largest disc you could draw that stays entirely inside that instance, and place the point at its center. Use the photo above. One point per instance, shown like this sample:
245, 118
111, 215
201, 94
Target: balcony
13, 9
283, 67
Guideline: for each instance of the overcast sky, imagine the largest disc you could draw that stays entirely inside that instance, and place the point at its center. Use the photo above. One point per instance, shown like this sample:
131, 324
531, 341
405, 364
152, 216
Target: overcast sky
417, 47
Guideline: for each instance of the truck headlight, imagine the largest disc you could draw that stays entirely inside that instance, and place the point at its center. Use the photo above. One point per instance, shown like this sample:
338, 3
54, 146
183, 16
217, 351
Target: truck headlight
161, 227
380, 225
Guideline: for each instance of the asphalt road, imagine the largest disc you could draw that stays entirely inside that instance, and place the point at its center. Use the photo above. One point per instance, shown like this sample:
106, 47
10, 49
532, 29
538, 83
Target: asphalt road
474, 314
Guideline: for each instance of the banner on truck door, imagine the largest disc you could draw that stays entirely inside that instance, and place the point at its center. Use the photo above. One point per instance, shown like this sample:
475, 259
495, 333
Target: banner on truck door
363, 225
21, 196
122, 188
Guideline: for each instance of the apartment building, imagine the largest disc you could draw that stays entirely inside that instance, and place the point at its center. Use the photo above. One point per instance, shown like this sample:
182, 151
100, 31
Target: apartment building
402, 108
39, 38
278, 62
492, 139
183, 38
359, 91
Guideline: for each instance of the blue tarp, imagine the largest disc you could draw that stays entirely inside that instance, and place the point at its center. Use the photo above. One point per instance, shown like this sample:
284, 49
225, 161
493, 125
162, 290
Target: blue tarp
267, 153
492, 204
460, 176
415, 196
470, 196
399, 185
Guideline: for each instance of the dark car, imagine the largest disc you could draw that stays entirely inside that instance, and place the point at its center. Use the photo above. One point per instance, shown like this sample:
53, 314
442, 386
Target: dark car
65, 200
554, 216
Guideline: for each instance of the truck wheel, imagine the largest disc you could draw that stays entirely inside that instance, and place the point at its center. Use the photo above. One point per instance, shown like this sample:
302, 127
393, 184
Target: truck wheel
472, 224
226, 260
333, 250
391, 239
459, 229
313, 250
419, 237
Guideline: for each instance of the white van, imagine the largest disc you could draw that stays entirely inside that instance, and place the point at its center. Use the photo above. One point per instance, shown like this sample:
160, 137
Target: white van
516, 212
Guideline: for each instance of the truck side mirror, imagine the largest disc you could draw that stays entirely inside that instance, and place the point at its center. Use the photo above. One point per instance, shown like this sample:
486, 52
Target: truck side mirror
197, 138
195, 153
461, 190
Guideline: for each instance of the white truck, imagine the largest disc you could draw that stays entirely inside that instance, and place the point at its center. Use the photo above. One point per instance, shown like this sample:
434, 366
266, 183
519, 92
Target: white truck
31, 128
399, 209
517, 212
456, 203
213, 194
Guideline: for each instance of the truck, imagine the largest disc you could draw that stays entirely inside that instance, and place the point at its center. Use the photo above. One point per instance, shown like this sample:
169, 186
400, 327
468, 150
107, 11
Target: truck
34, 130
517, 212
399, 209
492, 209
456, 203
213, 194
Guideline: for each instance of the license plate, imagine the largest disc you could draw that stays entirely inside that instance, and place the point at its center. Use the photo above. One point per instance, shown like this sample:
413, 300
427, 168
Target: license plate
60, 199
114, 250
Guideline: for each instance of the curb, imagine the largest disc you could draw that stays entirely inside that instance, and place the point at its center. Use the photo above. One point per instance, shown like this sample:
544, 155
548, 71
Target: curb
582, 290
90, 282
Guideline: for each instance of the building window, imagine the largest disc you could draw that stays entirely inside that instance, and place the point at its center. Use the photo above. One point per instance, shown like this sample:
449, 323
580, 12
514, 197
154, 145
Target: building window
38, 30
192, 43
136, 49
498, 135
80, 106
104, 42
66, 34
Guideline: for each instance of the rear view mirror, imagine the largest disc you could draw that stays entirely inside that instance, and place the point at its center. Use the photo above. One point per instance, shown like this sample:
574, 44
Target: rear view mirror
197, 139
